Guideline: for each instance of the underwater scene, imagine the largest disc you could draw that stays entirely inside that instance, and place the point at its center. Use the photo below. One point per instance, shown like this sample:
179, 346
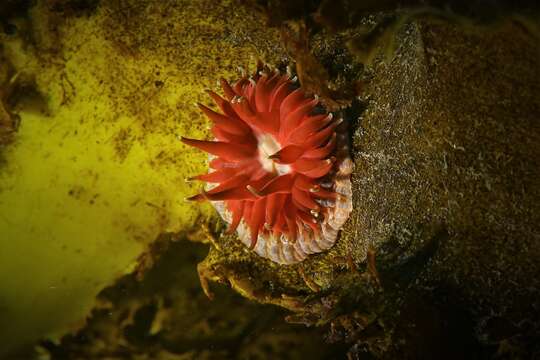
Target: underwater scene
269, 179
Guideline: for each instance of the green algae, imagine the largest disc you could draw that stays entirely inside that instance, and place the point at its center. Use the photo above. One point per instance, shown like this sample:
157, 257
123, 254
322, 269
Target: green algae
91, 180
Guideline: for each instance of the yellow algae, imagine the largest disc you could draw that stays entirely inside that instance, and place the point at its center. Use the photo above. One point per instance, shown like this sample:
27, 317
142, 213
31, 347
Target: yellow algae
89, 183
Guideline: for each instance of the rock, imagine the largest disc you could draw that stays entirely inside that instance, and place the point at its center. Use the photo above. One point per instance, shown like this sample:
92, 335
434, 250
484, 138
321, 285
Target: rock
445, 199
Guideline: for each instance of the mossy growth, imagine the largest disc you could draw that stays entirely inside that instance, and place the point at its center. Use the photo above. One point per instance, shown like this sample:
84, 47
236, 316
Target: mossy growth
94, 174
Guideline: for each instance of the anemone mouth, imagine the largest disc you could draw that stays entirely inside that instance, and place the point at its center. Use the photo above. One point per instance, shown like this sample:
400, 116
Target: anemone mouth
267, 146
281, 167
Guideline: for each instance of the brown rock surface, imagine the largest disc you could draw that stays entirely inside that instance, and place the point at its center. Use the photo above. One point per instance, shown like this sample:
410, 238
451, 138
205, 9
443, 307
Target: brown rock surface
439, 257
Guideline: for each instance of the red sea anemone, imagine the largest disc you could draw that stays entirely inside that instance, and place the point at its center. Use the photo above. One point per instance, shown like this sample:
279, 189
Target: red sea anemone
281, 167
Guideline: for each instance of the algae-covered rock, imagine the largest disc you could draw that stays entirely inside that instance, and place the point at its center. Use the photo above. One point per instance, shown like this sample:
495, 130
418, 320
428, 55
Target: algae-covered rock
165, 315
445, 196
95, 173
438, 258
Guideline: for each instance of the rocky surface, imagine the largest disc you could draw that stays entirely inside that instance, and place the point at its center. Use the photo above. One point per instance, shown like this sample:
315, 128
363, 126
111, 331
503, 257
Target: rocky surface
438, 258
445, 199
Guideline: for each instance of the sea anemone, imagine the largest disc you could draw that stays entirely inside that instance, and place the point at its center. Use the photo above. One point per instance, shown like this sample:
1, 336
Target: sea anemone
281, 166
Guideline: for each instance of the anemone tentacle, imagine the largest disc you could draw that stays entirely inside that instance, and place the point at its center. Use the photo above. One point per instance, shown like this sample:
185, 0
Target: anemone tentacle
281, 171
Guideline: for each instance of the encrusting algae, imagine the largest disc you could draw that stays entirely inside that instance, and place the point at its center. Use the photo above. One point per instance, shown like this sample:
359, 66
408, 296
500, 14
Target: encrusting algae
91, 180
